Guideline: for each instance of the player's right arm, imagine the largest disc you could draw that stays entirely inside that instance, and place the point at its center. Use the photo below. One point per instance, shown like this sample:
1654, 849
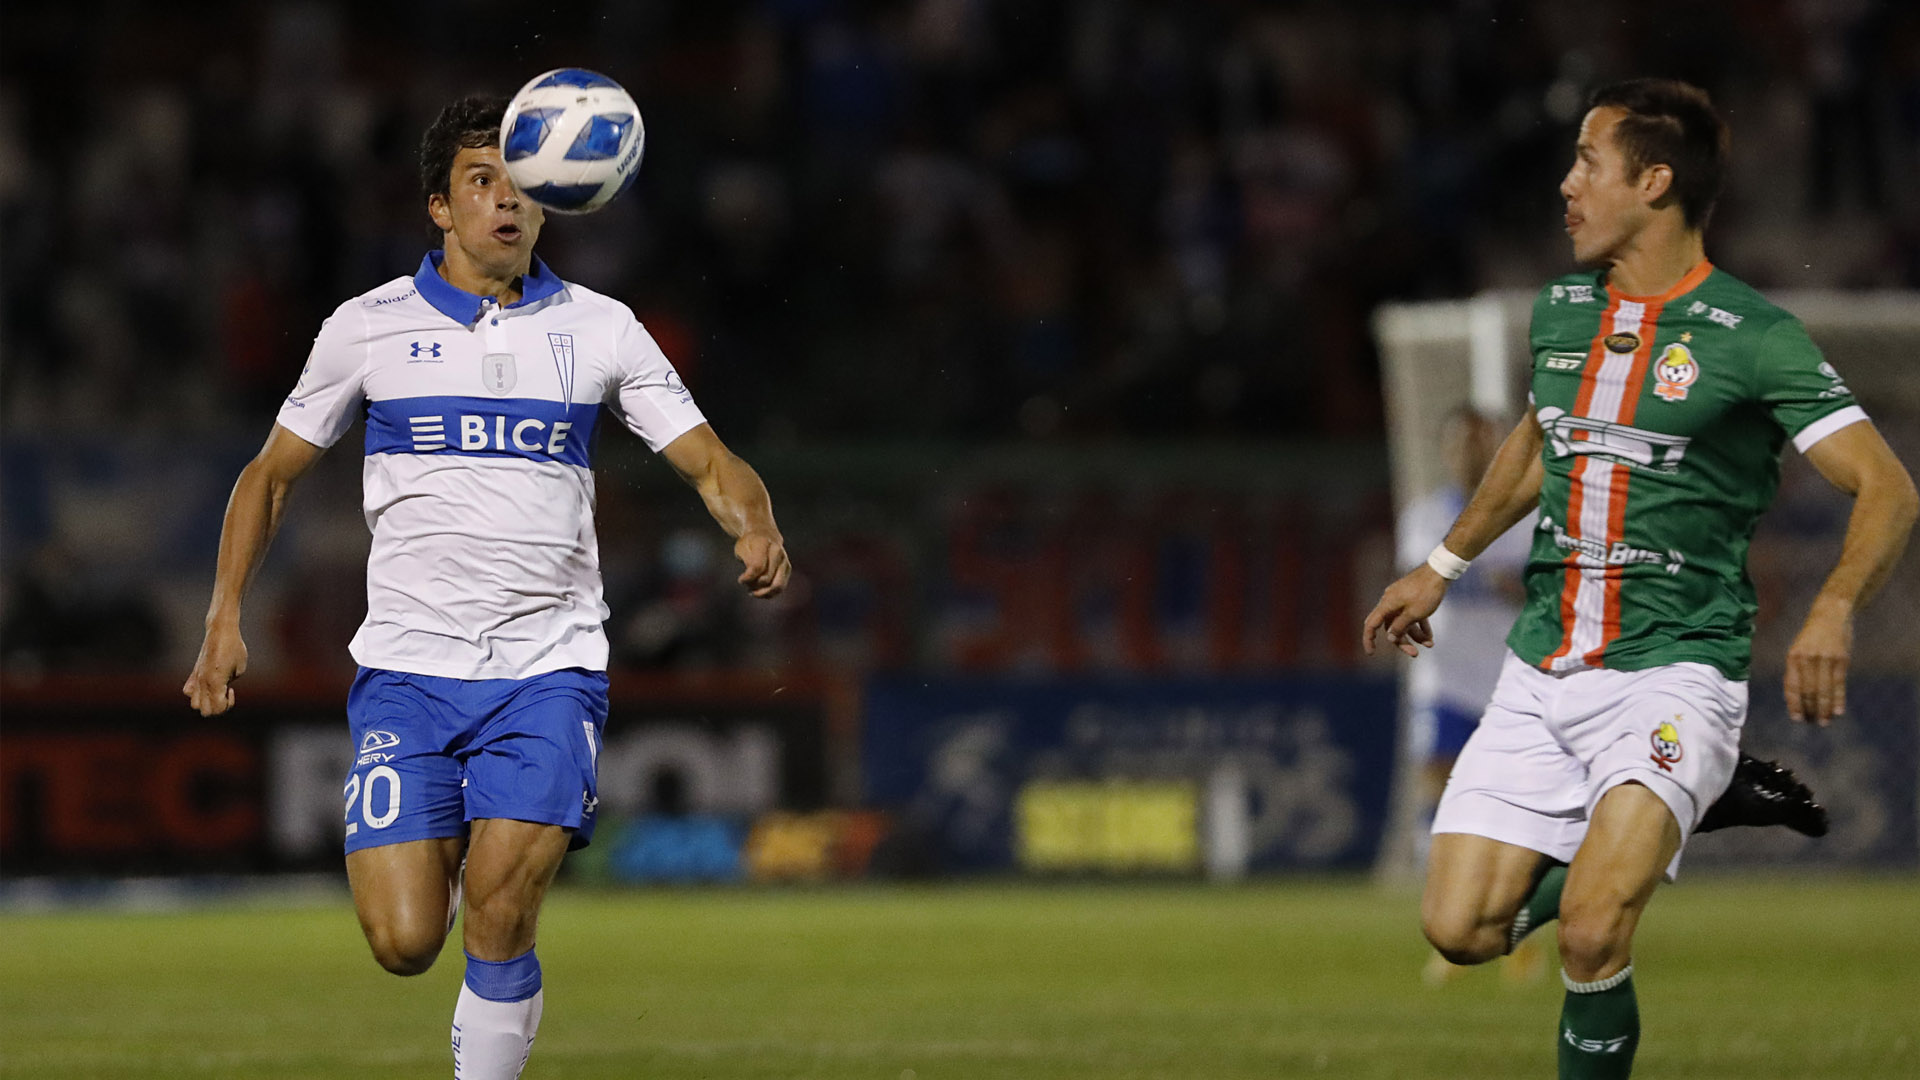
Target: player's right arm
1507, 493
254, 511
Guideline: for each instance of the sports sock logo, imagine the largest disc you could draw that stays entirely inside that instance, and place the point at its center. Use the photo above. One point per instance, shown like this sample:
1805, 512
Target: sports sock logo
1595, 1046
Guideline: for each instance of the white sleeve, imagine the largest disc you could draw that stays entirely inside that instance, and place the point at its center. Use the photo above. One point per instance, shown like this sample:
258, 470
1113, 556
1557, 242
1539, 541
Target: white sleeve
326, 400
648, 397
1412, 534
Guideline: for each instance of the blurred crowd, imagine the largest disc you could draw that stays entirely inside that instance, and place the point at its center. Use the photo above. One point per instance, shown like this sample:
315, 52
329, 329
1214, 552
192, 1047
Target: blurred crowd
959, 220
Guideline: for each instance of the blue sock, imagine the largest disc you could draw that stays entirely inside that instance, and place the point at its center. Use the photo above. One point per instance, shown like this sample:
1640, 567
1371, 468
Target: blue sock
496, 1017
504, 980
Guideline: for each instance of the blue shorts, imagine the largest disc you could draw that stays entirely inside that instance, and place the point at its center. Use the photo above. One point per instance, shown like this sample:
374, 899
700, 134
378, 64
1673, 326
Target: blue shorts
434, 754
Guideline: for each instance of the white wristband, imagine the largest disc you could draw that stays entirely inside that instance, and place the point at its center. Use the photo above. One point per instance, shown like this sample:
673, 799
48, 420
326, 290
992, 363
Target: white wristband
1447, 564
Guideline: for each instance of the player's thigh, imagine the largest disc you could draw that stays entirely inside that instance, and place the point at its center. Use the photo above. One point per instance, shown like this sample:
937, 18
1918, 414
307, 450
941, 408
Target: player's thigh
1675, 731
1514, 781
536, 757
510, 865
404, 785
403, 895
1630, 841
1475, 886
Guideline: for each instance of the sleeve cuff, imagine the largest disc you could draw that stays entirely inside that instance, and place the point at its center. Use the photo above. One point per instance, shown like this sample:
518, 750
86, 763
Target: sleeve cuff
1827, 425
673, 425
304, 423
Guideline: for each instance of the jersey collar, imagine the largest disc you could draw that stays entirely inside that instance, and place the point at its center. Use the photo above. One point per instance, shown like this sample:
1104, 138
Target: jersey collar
538, 285
1687, 283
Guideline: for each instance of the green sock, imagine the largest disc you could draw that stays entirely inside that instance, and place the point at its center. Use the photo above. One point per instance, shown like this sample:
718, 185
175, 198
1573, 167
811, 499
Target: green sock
1542, 905
1599, 1028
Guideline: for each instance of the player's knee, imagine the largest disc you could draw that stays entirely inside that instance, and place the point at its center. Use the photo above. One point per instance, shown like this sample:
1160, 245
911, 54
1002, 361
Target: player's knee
404, 951
1462, 938
1593, 939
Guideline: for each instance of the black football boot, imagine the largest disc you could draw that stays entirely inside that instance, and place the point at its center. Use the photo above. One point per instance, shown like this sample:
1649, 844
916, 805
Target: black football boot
1765, 793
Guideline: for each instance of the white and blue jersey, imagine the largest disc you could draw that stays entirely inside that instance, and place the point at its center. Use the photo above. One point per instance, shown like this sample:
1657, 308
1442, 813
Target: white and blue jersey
1449, 686
478, 478
482, 691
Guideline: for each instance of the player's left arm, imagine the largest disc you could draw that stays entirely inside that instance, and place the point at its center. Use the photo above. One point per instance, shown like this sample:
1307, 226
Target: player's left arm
738, 500
1858, 461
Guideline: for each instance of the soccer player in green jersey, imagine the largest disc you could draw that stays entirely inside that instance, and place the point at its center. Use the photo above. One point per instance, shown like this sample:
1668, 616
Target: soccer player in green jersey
1663, 391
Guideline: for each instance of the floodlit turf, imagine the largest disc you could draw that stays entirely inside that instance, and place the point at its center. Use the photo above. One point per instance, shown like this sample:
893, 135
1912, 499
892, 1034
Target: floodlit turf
1738, 978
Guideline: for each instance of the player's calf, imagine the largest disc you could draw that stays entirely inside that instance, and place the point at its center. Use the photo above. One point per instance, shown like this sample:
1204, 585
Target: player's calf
509, 867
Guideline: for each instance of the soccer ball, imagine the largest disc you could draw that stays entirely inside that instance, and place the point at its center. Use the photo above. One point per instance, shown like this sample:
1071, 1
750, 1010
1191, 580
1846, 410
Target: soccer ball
571, 139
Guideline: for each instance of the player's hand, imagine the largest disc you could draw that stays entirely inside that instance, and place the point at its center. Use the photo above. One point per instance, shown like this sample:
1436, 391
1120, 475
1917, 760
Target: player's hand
1403, 611
223, 659
765, 557
1817, 663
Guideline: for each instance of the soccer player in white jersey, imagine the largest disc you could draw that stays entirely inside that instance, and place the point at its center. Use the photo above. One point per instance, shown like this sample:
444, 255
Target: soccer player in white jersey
1446, 693
1663, 392
477, 713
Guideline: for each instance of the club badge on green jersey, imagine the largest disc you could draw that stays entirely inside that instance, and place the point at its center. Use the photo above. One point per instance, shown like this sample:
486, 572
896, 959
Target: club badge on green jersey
1676, 371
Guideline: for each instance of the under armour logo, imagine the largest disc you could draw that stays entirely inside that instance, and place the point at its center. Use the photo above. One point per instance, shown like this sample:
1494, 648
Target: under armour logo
432, 349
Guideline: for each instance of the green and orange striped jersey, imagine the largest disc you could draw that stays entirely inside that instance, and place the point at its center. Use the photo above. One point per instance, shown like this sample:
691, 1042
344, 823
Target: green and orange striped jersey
1664, 418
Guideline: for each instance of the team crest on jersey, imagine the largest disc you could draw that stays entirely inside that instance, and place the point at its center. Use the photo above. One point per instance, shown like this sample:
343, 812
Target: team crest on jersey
1676, 371
1666, 746
1623, 342
497, 372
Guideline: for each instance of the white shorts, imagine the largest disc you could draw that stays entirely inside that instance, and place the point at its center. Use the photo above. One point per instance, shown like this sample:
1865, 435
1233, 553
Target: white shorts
1549, 746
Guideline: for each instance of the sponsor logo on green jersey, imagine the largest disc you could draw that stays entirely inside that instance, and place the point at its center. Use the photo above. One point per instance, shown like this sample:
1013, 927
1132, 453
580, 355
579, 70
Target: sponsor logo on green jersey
1568, 435
1619, 553
1715, 315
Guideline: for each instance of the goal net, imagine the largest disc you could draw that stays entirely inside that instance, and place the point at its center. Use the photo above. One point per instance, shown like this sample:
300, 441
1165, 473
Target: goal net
1440, 356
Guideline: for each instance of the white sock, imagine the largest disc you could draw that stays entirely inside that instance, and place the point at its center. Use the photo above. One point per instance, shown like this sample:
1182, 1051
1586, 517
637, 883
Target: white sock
492, 1039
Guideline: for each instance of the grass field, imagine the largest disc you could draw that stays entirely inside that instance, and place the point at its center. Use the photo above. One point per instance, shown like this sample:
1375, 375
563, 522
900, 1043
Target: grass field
1738, 978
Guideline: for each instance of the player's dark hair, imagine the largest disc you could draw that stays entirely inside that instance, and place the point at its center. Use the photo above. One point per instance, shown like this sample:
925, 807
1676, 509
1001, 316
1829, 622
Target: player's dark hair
1672, 123
471, 122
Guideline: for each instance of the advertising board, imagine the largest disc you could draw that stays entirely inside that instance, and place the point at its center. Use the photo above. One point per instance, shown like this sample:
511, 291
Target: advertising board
1158, 775
123, 778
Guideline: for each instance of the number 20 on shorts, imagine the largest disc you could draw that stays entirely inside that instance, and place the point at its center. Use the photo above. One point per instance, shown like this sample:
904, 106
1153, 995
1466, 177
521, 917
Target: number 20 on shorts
364, 795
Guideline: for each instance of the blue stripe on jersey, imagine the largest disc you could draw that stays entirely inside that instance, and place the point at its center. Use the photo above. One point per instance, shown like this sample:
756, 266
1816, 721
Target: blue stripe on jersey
530, 428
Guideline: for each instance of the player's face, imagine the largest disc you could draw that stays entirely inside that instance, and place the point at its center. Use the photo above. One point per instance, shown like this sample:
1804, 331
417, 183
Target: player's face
485, 213
1605, 203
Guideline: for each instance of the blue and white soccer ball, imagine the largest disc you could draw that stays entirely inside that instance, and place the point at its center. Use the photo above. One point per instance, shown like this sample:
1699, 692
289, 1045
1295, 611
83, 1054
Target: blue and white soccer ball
572, 139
